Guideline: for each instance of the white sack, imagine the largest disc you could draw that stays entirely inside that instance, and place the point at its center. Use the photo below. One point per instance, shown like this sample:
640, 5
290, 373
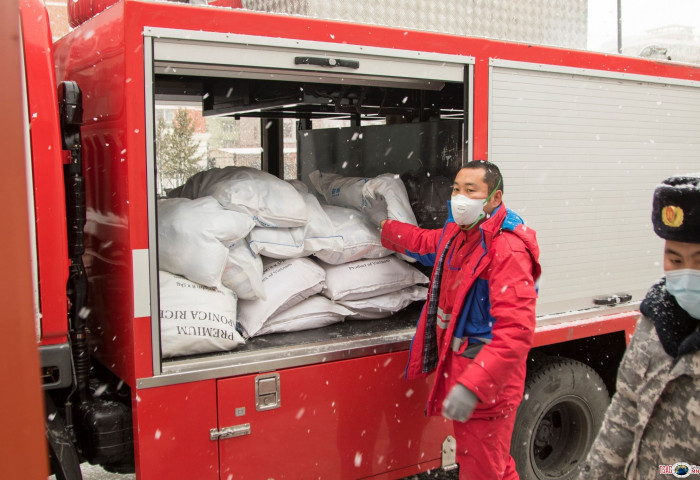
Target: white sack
360, 239
277, 242
319, 233
338, 190
271, 201
298, 185
243, 272
369, 278
286, 283
357, 192
391, 187
314, 312
194, 318
193, 237
385, 305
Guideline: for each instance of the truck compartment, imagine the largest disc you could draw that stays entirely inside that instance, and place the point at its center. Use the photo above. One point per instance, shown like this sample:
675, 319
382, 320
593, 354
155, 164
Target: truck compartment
351, 125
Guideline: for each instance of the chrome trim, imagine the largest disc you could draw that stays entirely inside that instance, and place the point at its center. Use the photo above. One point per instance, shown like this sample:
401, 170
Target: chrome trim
141, 282
546, 321
229, 432
232, 364
470, 116
267, 398
149, 106
278, 74
31, 211
498, 62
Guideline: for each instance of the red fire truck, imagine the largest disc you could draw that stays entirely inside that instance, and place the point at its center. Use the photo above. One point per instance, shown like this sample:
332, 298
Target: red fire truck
582, 138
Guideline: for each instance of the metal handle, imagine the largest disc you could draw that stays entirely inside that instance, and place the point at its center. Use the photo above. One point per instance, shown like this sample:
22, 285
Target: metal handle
229, 432
326, 62
612, 299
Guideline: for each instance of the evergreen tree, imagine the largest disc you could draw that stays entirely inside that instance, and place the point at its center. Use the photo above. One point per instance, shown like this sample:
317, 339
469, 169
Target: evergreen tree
176, 150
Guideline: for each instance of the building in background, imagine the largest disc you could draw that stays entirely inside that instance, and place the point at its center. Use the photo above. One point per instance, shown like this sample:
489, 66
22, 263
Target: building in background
678, 43
542, 22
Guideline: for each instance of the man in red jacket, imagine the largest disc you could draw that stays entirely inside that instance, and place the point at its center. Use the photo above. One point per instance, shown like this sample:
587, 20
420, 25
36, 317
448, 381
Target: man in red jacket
477, 325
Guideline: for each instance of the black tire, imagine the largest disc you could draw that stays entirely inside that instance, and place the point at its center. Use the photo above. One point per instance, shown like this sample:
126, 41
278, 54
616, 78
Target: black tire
562, 409
63, 456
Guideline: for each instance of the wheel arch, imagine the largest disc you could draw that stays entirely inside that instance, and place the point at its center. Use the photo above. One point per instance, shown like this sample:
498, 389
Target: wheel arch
603, 353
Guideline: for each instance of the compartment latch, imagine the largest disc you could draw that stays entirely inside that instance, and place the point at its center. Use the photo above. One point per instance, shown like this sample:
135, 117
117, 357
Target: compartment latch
229, 432
267, 391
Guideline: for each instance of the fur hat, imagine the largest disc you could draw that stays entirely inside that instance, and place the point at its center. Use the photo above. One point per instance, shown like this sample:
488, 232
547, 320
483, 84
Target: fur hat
675, 211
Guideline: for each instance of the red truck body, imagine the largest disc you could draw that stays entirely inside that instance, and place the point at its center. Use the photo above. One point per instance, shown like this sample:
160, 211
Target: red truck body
346, 412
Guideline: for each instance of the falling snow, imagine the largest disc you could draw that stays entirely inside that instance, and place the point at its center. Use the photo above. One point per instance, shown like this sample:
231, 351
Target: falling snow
358, 459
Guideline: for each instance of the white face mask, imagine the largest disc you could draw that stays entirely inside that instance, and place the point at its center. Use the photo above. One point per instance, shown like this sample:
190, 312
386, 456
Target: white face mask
467, 211
685, 286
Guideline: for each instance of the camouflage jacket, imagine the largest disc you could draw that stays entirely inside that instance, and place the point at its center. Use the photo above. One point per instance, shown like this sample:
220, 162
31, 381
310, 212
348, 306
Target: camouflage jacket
654, 417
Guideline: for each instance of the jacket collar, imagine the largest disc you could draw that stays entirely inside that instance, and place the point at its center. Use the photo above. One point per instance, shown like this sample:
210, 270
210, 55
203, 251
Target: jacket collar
678, 332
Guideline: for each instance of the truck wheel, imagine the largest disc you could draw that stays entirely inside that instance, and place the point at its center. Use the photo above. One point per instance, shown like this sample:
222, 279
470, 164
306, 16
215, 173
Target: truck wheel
62, 454
562, 409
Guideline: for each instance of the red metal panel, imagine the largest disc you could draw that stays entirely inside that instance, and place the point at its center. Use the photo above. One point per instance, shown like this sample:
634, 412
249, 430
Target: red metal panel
347, 419
574, 330
23, 453
94, 56
80, 11
47, 171
171, 432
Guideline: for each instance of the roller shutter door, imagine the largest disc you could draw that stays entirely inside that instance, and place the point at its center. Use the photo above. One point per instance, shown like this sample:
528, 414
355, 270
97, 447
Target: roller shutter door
581, 156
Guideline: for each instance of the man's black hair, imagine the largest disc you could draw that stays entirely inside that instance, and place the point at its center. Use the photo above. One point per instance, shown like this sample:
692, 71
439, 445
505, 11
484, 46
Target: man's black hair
492, 175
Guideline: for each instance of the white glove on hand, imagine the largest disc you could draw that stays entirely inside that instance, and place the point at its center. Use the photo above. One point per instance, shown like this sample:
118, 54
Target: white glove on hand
459, 403
376, 210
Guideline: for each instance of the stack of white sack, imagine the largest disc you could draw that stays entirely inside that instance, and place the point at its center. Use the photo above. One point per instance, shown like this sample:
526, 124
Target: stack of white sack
270, 201
374, 288
286, 283
318, 233
195, 319
194, 237
358, 192
278, 224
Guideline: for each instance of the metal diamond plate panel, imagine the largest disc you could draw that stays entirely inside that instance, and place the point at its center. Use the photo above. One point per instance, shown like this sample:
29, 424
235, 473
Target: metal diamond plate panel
560, 23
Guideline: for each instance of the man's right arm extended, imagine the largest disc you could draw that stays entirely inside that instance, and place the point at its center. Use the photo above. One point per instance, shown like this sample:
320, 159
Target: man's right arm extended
410, 239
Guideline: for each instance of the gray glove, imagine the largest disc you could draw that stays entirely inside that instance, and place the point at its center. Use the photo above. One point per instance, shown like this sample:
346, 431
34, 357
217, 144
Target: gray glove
376, 210
459, 404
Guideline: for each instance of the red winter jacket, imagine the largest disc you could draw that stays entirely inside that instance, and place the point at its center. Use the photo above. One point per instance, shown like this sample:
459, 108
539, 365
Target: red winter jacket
487, 292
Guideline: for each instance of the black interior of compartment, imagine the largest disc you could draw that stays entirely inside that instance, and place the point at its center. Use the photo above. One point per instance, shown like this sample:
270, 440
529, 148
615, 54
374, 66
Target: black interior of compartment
242, 97
421, 139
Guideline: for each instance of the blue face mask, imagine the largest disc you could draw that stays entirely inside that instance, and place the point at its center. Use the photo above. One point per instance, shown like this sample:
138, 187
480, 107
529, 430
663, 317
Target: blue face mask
684, 285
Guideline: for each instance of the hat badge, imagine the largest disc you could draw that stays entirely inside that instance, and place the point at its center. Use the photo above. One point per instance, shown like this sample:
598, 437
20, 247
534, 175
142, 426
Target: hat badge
672, 216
